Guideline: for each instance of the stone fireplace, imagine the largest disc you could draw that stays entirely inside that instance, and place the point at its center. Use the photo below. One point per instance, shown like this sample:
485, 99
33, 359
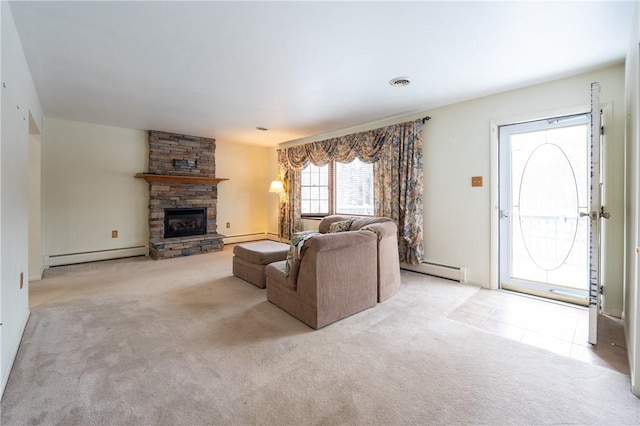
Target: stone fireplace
183, 195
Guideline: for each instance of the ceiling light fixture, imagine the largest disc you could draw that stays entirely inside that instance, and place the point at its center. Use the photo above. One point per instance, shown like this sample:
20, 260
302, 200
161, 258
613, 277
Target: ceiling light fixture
400, 81
262, 129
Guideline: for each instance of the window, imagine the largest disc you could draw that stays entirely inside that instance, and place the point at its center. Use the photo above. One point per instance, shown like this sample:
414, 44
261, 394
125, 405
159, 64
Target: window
337, 188
315, 190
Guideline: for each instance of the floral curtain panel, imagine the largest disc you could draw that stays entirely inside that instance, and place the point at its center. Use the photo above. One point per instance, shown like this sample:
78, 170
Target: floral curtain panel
290, 210
398, 188
396, 152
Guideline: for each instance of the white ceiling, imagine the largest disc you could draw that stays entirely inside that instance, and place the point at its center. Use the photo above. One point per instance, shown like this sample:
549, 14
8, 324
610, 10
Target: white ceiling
219, 69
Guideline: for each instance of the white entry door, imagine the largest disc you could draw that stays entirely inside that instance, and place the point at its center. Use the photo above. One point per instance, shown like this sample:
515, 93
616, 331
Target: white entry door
596, 212
550, 208
544, 188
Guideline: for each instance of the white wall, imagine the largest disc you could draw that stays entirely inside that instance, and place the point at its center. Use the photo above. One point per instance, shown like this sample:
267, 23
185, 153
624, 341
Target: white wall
243, 199
19, 99
90, 190
36, 263
632, 203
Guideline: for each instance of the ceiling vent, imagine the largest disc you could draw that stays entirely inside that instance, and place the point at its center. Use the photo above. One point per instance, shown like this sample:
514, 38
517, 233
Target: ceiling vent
400, 81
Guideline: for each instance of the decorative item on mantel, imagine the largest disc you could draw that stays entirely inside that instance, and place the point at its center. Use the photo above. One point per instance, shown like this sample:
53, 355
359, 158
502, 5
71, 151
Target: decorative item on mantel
154, 177
184, 164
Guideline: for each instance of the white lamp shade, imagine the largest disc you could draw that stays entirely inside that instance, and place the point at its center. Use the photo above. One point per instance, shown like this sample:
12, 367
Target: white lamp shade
276, 186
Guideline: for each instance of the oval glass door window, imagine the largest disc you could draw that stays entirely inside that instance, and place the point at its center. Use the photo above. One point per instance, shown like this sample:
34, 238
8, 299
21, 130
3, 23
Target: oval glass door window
548, 206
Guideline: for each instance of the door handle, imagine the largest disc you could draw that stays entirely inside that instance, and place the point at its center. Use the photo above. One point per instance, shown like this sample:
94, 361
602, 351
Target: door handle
591, 215
504, 214
595, 215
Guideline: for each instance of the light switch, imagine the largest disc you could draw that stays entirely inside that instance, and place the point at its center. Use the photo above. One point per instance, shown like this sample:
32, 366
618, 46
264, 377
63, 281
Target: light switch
476, 181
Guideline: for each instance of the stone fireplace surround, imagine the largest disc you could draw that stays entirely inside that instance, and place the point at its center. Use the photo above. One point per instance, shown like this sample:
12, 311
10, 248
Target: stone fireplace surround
181, 175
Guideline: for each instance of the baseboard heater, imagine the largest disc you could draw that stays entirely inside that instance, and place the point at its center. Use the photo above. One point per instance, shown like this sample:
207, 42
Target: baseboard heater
450, 272
243, 238
92, 256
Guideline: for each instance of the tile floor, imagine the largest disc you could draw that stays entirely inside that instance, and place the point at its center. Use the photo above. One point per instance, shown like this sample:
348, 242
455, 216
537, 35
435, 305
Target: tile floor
557, 327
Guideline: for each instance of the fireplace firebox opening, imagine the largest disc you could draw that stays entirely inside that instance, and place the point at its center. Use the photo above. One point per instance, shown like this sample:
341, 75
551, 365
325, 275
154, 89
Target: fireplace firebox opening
185, 222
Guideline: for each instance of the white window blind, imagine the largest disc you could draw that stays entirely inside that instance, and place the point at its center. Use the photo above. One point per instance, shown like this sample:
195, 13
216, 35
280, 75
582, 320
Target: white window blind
337, 188
354, 188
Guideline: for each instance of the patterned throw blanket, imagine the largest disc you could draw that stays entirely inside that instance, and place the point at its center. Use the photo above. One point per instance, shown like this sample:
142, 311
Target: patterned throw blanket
293, 256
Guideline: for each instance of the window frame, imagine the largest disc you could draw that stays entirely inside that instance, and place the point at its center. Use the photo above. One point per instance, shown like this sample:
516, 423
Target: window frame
330, 184
332, 196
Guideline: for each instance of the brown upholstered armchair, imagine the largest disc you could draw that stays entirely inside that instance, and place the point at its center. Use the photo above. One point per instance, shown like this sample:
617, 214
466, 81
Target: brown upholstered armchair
387, 255
336, 277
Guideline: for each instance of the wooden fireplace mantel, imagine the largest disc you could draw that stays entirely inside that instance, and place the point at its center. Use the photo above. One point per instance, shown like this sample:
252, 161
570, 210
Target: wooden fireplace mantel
153, 177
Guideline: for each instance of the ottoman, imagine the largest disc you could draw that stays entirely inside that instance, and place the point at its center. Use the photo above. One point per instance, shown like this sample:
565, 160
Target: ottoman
250, 259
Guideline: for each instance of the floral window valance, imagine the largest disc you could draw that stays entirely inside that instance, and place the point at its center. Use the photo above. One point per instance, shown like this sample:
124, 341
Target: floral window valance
365, 146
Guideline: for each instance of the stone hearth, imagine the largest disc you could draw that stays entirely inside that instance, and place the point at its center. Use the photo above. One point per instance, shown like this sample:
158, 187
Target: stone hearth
191, 161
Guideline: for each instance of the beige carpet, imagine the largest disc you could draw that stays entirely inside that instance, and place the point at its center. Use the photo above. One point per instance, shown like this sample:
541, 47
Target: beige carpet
182, 341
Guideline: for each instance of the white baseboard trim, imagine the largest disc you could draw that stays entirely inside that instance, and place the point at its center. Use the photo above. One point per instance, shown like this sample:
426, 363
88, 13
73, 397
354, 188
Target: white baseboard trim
72, 258
37, 277
5, 377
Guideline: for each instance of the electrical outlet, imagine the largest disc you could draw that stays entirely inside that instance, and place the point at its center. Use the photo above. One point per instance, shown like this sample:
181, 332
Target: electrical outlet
476, 181
228, 225
114, 233
21, 280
